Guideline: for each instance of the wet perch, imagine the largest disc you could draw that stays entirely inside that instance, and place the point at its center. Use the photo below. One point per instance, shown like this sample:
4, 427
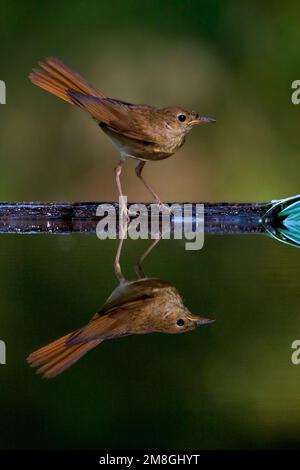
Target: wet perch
80, 217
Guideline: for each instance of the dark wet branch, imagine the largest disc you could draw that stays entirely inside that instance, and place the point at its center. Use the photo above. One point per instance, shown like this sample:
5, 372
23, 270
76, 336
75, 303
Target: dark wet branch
80, 217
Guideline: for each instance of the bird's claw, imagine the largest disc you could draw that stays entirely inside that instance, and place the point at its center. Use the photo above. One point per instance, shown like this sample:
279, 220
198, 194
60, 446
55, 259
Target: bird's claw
131, 213
163, 207
124, 218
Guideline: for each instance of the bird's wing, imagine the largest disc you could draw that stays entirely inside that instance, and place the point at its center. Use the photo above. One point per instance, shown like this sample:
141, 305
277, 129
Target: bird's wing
129, 291
125, 302
108, 325
118, 116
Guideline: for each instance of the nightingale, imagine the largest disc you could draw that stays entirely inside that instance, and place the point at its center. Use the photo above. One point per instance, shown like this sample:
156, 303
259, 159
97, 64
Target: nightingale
145, 133
142, 306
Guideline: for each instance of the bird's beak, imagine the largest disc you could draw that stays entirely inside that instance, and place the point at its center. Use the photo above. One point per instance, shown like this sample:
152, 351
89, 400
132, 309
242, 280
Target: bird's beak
202, 120
201, 320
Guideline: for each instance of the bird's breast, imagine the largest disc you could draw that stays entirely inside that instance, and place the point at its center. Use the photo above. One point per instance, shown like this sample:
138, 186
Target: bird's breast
158, 149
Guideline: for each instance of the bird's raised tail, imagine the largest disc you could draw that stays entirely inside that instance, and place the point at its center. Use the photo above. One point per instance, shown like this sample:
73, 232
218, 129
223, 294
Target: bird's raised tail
59, 79
58, 356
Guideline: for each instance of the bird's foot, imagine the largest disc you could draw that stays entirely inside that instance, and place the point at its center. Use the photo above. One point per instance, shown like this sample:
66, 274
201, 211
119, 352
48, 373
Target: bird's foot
164, 208
131, 213
124, 217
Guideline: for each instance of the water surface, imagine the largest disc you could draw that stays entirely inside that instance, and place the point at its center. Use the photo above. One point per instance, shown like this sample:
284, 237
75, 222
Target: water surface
226, 385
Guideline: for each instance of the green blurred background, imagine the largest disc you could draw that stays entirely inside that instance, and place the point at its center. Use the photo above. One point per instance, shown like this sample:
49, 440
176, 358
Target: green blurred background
230, 384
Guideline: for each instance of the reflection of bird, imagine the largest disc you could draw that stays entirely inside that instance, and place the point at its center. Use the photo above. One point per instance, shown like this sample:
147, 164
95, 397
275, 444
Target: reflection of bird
142, 132
143, 306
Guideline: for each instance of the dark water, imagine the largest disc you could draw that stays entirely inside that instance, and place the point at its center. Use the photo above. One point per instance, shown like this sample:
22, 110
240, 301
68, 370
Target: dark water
230, 384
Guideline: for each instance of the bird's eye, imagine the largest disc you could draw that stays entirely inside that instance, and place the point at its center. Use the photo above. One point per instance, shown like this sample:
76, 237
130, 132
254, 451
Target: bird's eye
182, 117
180, 322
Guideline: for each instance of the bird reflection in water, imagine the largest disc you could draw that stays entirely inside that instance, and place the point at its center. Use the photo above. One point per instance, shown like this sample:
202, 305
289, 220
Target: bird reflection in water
145, 305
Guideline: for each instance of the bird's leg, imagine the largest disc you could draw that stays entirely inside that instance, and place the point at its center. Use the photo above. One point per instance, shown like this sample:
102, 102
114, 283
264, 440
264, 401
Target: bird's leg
117, 266
124, 213
138, 171
123, 207
138, 265
118, 170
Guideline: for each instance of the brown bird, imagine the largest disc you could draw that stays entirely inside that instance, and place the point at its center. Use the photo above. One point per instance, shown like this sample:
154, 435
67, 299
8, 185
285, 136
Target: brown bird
142, 306
143, 132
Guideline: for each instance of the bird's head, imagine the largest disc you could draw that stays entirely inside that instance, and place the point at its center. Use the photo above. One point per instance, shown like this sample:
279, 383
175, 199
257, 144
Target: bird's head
178, 319
180, 121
